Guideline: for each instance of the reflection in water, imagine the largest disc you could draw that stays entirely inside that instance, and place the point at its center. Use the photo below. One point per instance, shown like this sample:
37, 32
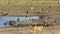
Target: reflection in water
8, 18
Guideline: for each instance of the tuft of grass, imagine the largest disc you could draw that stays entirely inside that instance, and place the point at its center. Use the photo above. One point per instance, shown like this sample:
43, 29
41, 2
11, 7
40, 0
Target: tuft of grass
20, 2
33, 2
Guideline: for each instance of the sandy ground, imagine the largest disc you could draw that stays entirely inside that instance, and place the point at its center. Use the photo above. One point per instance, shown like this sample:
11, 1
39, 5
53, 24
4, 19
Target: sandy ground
27, 30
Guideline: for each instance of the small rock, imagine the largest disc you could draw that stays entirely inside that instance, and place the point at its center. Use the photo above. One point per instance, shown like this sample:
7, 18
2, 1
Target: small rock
32, 8
59, 2
39, 9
